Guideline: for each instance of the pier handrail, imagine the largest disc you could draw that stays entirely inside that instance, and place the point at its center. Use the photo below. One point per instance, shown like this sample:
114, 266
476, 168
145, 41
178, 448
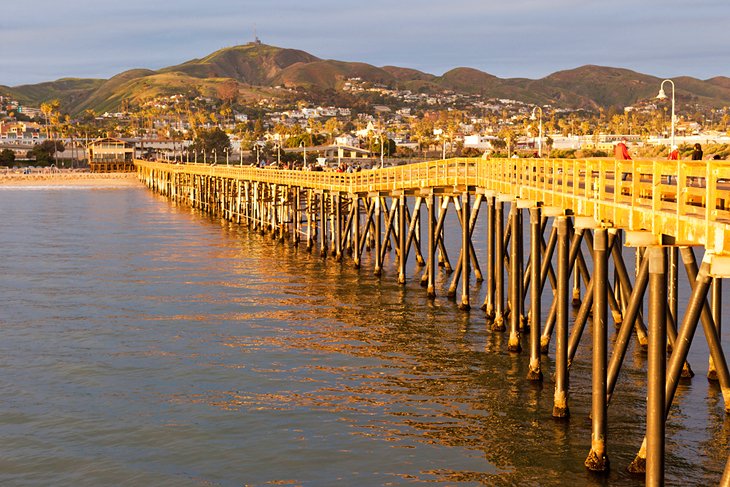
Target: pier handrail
683, 202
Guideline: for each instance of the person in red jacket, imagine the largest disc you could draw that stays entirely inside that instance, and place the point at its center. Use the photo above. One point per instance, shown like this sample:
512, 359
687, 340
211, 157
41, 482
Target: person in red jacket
621, 152
674, 154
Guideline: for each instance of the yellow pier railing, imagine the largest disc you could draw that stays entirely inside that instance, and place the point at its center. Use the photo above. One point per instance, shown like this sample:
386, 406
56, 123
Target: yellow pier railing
683, 203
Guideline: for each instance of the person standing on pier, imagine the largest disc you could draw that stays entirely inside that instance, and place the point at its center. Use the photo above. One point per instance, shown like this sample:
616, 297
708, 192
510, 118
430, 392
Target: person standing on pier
621, 152
697, 152
674, 154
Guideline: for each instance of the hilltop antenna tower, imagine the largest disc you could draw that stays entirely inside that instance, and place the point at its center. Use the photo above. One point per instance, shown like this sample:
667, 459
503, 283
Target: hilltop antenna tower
256, 39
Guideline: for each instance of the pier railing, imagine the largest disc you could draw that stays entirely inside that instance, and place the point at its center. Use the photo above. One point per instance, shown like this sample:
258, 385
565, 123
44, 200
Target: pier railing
684, 202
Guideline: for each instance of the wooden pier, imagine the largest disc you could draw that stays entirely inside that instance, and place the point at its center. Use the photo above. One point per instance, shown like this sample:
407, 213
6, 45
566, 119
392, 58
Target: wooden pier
591, 211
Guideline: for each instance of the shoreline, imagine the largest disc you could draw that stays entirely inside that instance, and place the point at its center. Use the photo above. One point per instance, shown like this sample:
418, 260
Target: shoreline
87, 179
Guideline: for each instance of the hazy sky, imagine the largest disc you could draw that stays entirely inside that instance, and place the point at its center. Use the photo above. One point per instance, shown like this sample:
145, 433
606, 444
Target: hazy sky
43, 40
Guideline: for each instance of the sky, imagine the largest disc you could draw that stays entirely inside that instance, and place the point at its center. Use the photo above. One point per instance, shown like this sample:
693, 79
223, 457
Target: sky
44, 40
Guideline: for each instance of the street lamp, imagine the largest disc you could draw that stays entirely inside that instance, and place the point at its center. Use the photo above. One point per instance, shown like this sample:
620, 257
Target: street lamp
663, 96
539, 140
382, 163
304, 149
256, 148
225, 149
215, 157
278, 154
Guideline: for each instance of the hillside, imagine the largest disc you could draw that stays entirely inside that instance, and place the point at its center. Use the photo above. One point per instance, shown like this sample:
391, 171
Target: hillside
258, 68
69, 91
255, 64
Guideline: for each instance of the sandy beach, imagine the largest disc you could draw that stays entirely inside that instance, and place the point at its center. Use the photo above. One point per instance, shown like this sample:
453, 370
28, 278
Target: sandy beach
69, 178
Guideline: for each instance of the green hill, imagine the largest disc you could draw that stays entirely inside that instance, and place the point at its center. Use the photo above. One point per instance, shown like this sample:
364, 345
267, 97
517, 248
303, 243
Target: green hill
69, 91
258, 68
255, 64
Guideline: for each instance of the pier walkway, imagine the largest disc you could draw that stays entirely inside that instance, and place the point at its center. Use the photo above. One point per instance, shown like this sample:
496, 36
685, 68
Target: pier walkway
591, 210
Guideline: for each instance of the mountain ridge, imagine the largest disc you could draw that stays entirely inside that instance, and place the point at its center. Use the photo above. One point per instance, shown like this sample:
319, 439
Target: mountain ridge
257, 67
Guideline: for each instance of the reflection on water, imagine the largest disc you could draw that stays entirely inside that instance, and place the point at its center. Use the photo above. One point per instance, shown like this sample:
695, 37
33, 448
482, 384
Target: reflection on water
145, 344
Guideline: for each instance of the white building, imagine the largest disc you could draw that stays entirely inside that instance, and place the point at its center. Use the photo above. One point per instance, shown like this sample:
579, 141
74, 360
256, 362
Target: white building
481, 142
347, 139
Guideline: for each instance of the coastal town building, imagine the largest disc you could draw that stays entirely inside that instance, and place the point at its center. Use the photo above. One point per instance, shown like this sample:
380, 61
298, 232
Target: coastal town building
29, 132
110, 155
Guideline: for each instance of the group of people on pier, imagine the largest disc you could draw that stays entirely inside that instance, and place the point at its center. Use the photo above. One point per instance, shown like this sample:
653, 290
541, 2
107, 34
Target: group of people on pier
621, 152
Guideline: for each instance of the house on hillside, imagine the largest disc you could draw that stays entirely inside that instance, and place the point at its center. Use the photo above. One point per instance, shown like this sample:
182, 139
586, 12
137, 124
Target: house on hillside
21, 131
110, 155
347, 139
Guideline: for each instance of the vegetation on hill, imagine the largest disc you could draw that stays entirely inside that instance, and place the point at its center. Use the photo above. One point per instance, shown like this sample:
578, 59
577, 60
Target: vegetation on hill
257, 67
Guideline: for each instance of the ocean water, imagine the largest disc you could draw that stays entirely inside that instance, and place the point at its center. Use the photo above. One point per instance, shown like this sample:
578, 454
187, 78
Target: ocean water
145, 343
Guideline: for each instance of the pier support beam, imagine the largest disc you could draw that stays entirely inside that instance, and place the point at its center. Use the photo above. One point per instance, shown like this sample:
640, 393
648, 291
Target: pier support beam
700, 285
673, 284
535, 370
597, 460
635, 301
465, 252
716, 304
378, 236
402, 257
498, 324
323, 197
656, 372
488, 305
515, 282
560, 403
356, 230
431, 258
337, 202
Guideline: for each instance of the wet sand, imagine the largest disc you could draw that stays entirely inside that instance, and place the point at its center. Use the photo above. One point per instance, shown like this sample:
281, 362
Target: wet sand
69, 179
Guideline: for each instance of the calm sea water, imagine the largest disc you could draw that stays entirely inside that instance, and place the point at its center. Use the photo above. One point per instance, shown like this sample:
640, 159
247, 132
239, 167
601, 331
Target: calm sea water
143, 343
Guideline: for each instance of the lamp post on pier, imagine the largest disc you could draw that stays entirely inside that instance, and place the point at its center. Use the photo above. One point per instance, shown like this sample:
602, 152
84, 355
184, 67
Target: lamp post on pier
225, 149
663, 96
539, 138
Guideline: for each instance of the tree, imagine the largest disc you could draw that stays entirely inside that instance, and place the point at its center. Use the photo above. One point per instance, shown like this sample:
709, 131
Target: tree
509, 137
49, 110
332, 128
7, 157
44, 152
389, 146
208, 141
228, 92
